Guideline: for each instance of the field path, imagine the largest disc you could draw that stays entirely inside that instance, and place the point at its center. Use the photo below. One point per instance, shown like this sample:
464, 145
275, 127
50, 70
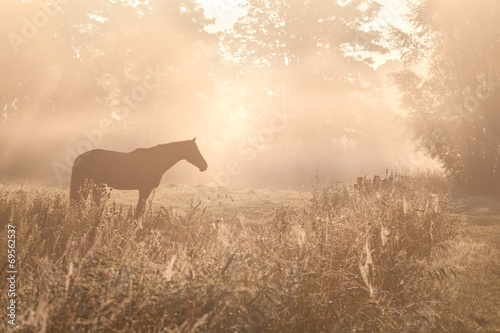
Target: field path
477, 255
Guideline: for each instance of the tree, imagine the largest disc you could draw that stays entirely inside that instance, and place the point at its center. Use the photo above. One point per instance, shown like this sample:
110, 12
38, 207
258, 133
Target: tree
312, 58
68, 64
450, 87
62, 57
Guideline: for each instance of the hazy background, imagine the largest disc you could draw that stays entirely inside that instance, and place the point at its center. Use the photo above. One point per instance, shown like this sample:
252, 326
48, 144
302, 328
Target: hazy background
274, 91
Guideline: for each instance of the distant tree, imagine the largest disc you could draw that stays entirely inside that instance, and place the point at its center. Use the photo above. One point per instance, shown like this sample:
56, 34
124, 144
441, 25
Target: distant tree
81, 57
311, 56
66, 65
451, 87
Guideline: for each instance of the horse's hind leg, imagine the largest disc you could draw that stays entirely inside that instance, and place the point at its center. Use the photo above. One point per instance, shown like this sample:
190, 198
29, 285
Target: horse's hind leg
98, 192
143, 195
76, 186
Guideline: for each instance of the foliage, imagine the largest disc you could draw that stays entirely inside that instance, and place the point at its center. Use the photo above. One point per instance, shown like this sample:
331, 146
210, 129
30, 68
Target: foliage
89, 54
348, 260
307, 58
452, 98
68, 68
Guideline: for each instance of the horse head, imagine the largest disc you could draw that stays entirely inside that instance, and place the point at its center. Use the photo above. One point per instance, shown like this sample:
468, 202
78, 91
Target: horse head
194, 156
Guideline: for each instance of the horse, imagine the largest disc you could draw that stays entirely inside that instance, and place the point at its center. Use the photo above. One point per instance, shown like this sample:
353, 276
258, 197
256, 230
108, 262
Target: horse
140, 169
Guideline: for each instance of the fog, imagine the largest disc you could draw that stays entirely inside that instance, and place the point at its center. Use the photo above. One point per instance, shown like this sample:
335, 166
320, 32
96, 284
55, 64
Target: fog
273, 99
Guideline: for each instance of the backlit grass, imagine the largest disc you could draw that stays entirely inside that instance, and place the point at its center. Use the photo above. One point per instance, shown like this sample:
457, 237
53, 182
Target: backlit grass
212, 259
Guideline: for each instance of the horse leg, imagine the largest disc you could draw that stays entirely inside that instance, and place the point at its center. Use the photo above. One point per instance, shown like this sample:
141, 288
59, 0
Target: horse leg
143, 195
76, 187
96, 195
75, 196
86, 189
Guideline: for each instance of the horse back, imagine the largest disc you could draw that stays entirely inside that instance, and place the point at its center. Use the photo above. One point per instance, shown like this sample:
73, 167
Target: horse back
116, 169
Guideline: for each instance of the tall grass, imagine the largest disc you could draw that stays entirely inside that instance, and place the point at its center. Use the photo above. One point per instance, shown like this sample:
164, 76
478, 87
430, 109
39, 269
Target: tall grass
349, 261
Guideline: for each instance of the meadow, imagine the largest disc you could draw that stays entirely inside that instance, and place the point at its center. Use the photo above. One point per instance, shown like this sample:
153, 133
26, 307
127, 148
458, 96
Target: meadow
403, 257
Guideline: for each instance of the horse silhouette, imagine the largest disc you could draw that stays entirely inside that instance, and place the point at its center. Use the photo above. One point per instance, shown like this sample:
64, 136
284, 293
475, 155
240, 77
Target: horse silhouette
140, 169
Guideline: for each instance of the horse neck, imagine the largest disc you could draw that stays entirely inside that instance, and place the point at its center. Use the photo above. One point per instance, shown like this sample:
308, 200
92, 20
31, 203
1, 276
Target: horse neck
170, 155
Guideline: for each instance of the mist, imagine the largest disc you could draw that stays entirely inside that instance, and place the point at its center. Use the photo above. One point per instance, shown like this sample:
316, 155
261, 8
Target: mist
276, 105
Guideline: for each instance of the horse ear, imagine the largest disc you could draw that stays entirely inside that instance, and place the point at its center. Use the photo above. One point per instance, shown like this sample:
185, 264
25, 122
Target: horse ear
194, 139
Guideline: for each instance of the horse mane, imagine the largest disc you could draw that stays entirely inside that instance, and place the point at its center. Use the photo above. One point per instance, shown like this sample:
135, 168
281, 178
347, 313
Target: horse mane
159, 146
171, 143
163, 145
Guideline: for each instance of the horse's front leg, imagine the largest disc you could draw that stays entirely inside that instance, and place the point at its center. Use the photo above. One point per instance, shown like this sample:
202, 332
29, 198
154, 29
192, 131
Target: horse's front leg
143, 195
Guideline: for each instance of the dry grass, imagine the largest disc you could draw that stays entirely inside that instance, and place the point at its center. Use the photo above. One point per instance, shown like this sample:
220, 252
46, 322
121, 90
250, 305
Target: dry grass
342, 261
474, 293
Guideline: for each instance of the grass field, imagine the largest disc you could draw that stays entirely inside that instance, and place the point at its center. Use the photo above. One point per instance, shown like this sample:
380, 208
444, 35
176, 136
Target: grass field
475, 257
407, 257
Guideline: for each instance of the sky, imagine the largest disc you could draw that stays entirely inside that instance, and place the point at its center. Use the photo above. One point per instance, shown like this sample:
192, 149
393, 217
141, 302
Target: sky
227, 12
